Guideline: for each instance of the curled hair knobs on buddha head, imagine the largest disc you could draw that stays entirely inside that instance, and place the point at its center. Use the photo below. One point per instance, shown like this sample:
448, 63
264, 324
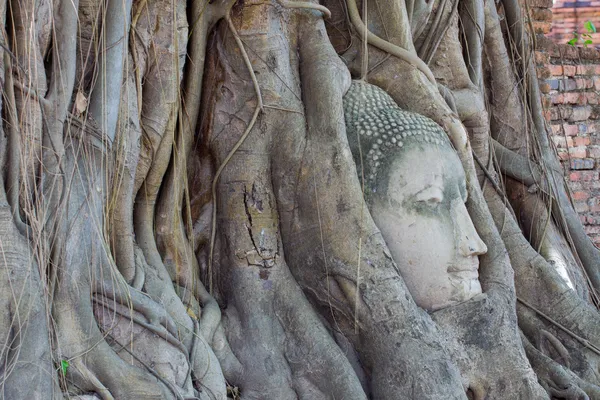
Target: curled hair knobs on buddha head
381, 128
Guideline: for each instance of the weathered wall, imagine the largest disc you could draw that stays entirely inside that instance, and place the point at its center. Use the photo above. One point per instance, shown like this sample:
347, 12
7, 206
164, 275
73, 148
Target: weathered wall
569, 17
570, 83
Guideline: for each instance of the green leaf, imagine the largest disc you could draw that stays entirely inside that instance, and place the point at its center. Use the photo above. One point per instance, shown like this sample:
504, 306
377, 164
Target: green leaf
587, 42
590, 27
572, 42
64, 365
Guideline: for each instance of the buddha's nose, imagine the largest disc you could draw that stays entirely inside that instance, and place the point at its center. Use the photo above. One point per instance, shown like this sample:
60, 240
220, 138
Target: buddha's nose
470, 244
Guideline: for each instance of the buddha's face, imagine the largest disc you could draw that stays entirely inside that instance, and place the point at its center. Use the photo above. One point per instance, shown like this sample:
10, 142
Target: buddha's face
421, 213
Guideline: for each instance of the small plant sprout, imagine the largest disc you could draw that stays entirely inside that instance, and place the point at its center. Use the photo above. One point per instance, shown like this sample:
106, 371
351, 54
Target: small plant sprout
584, 38
64, 366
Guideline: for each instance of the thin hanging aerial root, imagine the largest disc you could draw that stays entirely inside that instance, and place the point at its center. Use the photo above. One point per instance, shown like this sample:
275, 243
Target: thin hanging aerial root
163, 334
139, 277
81, 371
150, 369
305, 5
559, 382
488, 175
142, 304
558, 346
192, 353
14, 152
386, 46
211, 313
584, 342
240, 45
259, 108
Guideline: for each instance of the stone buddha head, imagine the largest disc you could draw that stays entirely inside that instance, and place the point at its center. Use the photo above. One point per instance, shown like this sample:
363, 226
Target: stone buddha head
415, 189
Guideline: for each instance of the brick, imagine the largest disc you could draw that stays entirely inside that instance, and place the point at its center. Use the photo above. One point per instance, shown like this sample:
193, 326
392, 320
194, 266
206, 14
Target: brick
541, 14
541, 57
594, 205
592, 219
569, 70
544, 44
580, 113
581, 206
555, 83
545, 87
575, 176
575, 98
543, 72
590, 230
540, 3
570, 130
579, 196
592, 97
591, 69
566, 85
578, 164
555, 70
557, 98
563, 142
581, 141
592, 185
584, 83
586, 127
542, 27
565, 51
578, 152
593, 151
589, 53
596, 80
585, 176
564, 112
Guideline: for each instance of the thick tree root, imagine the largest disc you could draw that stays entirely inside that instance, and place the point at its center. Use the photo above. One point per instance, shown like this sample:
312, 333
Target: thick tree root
558, 381
306, 362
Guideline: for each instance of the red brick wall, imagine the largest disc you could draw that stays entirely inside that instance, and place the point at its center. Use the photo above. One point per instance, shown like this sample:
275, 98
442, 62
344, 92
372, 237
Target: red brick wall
569, 17
570, 85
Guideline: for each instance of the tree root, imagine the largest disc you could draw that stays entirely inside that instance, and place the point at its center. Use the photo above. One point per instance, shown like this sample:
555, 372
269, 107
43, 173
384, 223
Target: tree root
153, 372
106, 94
171, 238
141, 303
374, 40
558, 346
13, 150
305, 6
560, 383
126, 155
303, 361
258, 109
163, 334
586, 343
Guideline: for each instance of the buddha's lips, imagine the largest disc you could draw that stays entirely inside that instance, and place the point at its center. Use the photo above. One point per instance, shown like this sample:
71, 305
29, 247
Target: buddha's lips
468, 269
